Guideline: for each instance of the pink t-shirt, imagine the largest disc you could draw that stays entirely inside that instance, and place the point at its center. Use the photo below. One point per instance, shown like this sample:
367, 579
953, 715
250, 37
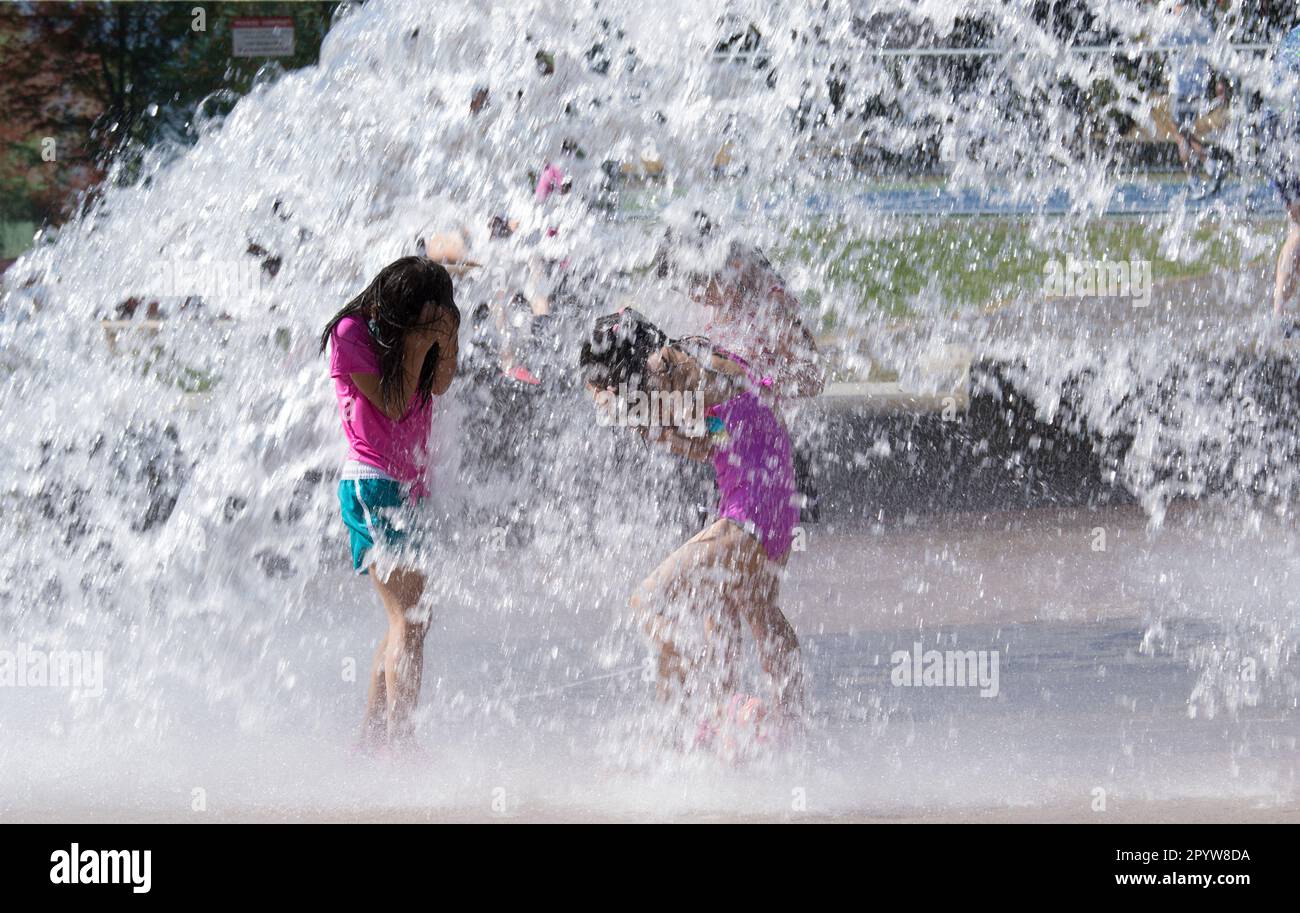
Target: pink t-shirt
394, 447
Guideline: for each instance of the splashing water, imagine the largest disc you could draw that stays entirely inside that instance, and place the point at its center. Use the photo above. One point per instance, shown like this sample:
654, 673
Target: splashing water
170, 490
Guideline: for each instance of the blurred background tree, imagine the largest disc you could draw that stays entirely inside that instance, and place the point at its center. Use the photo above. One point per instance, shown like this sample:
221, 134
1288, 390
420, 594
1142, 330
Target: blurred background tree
94, 82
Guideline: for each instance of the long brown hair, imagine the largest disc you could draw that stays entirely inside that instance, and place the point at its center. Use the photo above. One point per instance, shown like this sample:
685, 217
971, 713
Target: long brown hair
392, 305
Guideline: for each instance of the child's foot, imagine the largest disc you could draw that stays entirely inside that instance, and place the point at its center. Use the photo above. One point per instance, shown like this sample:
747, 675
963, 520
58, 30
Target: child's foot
786, 729
771, 726
747, 716
406, 751
368, 746
705, 733
743, 726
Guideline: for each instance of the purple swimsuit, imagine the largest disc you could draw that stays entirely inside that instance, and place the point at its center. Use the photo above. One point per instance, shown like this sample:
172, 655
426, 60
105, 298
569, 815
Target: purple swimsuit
755, 469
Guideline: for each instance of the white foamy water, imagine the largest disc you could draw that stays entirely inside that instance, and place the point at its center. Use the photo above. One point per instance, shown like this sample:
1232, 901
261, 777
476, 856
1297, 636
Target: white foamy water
171, 500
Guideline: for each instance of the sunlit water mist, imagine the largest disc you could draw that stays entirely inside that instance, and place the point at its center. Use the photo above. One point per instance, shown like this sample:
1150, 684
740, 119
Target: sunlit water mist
171, 497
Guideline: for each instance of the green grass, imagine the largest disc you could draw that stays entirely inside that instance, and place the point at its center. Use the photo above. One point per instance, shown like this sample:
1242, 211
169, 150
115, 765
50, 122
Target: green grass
976, 261
973, 262
15, 238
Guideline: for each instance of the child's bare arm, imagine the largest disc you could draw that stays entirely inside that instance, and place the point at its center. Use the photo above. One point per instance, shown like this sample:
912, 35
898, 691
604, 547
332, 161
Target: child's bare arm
693, 448
368, 384
723, 380
714, 381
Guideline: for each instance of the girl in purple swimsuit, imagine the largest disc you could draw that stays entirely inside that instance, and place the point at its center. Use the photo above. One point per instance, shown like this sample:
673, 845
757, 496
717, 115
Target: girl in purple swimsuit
729, 574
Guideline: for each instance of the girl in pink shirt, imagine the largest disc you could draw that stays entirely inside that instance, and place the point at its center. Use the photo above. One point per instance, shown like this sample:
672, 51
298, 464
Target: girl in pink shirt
392, 349
693, 605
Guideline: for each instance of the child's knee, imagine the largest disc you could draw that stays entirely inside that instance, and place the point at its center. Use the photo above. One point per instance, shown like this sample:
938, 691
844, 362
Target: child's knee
774, 629
656, 627
411, 626
644, 619
787, 640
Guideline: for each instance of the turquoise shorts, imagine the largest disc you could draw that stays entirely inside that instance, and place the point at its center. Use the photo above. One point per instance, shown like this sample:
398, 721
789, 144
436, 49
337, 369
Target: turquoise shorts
369, 508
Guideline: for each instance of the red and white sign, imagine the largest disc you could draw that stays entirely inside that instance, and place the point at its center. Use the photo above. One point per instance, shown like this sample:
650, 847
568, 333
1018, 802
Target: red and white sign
262, 36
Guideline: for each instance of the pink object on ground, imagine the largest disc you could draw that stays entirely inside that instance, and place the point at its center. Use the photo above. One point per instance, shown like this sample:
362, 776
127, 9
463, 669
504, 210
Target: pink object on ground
549, 182
520, 373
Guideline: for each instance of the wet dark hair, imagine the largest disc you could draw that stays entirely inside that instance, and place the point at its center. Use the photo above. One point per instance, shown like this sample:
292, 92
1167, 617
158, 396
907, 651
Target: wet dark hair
618, 348
392, 305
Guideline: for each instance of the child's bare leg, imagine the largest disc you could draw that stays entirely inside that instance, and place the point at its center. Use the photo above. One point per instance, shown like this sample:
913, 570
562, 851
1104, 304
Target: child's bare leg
722, 631
669, 582
374, 725
404, 654
1288, 262
778, 651
682, 575
670, 665
774, 636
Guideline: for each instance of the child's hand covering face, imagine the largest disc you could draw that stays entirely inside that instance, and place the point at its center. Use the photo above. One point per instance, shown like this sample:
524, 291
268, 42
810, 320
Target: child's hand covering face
445, 326
441, 328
